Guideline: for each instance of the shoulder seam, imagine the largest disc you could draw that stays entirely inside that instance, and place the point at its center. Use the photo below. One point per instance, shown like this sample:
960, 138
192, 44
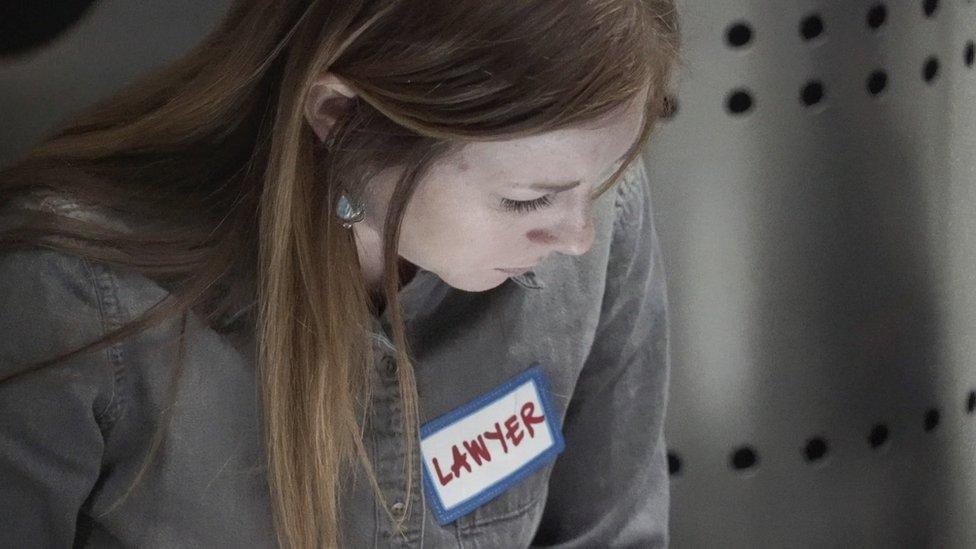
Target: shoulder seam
627, 193
108, 308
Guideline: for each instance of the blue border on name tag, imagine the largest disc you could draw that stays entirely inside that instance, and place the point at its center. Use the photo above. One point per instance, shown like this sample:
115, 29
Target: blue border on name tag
534, 373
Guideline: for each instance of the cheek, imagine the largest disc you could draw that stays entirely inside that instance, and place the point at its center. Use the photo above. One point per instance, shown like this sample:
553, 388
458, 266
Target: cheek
540, 236
468, 236
437, 227
461, 226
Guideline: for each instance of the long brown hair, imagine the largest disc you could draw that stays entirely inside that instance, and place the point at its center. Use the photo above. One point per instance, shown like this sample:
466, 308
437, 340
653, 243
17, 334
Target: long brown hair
236, 196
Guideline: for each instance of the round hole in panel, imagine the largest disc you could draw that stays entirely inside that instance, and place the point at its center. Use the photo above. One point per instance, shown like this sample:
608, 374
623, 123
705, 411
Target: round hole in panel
739, 34
877, 82
669, 107
877, 15
674, 464
931, 69
815, 449
744, 458
931, 419
811, 27
878, 436
739, 101
812, 93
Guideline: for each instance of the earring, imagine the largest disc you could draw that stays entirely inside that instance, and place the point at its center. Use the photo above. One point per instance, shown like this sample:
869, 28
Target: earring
348, 212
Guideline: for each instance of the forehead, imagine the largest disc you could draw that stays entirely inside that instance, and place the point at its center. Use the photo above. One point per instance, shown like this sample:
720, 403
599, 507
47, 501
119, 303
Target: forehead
543, 148
575, 149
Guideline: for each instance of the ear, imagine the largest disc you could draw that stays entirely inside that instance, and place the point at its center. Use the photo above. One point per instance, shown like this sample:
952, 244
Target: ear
327, 99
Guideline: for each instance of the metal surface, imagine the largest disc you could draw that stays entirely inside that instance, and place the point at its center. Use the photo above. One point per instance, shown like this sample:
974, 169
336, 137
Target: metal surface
821, 273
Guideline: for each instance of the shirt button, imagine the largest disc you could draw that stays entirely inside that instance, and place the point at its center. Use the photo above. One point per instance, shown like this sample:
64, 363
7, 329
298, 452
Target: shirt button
398, 508
390, 365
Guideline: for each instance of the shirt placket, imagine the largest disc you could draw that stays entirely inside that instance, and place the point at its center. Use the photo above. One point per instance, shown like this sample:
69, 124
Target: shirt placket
388, 438
390, 453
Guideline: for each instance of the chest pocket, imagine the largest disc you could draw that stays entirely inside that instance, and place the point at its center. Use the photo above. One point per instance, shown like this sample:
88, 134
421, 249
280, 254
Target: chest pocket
511, 518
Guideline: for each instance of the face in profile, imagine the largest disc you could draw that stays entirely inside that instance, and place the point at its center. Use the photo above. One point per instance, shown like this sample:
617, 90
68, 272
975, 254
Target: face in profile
505, 205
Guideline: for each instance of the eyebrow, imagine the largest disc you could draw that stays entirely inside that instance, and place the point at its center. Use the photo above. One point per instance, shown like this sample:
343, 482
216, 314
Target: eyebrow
565, 186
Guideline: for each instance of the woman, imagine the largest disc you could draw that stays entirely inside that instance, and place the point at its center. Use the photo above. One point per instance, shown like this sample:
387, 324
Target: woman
262, 297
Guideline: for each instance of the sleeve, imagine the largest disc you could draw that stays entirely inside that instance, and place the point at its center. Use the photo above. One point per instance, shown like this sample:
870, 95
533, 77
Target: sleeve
51, 419
610, 487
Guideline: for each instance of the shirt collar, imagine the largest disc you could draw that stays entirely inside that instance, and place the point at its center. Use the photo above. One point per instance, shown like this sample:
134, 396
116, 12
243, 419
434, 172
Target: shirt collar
425, 288
529, 279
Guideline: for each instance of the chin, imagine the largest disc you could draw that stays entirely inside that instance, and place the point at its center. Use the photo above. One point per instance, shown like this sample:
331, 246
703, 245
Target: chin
482, 284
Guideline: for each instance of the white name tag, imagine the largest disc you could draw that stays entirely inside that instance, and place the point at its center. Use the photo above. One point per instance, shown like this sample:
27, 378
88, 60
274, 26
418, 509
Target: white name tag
476, 452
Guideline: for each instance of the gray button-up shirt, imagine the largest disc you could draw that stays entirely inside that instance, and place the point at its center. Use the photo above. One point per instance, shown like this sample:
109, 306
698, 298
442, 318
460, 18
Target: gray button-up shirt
73, 436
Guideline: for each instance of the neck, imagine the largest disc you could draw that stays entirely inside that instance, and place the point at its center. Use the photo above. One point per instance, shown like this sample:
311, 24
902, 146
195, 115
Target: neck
406, 272
369, 245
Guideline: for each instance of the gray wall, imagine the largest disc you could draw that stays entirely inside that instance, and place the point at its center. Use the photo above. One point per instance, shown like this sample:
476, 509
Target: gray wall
821, 272
114, 42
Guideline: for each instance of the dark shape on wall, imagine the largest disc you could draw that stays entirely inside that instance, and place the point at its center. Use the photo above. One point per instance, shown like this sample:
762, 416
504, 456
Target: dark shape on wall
27, 26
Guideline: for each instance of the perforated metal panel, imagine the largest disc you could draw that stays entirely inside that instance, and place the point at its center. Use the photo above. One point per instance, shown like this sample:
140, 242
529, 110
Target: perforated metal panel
815, 192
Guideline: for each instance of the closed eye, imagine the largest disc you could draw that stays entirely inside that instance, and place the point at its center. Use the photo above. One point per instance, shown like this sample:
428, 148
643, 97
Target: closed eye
524, 206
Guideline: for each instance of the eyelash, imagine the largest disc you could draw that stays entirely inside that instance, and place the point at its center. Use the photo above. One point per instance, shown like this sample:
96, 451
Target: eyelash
524, 206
